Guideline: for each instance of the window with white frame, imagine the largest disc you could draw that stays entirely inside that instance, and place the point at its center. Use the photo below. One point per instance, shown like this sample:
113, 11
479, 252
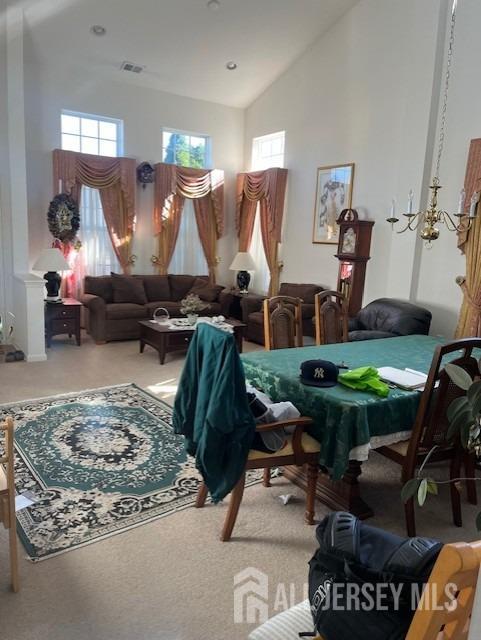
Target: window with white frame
267, 152
186, 149
97, 135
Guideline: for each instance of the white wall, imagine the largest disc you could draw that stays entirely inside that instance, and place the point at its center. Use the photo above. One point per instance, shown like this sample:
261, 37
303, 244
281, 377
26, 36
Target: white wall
367, 93
144, 112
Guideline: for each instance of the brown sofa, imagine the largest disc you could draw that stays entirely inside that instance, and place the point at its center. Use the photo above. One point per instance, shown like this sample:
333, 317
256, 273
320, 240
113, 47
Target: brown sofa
253, 316
114, 304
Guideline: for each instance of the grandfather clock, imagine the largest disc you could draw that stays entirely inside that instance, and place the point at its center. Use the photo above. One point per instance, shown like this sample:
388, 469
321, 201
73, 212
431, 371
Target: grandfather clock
353, 253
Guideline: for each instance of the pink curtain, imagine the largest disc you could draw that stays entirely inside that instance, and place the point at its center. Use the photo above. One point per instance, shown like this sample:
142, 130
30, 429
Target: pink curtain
206, 188
269, 188
115, 179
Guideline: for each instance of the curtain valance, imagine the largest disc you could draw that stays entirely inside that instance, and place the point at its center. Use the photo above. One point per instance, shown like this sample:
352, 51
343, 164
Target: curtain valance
172, 180
115, 179
257, 185
97, 172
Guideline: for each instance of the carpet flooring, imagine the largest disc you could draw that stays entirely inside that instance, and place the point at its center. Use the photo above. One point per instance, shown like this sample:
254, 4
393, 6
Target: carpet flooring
172, 579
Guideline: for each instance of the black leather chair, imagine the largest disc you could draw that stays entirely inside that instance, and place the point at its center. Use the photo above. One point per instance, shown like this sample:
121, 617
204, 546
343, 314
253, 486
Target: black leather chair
387, 318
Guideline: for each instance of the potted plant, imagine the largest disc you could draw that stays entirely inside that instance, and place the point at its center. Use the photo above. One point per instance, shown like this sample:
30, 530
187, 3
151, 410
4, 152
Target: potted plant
191, 305
464, 416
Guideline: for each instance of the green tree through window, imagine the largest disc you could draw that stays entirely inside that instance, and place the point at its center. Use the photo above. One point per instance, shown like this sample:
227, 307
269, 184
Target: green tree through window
185, 150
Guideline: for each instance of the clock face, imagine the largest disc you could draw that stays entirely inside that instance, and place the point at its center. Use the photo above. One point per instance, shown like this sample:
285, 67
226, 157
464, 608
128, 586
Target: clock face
349, 241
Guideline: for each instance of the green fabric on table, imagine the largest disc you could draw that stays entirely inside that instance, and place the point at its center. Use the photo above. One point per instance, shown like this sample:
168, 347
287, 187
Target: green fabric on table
364, 379
344, 418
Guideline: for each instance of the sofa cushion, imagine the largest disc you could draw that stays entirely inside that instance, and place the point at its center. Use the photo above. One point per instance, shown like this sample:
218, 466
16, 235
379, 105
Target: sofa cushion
206, 291
125, 310
128, 289
180, 286
99, 286
156, 287
304, 291
174, 308
396, 316
257, 317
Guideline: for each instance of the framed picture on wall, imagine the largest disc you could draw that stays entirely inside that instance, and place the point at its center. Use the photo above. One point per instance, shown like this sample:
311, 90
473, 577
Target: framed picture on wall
333, 194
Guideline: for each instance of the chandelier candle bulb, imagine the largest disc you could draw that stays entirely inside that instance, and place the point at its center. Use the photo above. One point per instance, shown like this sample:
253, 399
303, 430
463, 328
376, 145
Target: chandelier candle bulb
462, 199
474, 203
410, 202
393, 208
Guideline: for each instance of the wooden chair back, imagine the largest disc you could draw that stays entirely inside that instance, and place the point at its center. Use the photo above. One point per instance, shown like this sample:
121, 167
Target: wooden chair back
436, 617
282, 322
7, 496
431, 424
331, 317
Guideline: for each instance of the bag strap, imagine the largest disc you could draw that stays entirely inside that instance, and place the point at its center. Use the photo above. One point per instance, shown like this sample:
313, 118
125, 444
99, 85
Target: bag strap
412, 556
342, 535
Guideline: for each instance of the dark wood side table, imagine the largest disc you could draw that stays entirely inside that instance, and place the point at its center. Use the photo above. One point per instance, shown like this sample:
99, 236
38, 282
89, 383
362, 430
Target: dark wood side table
62, 318
166, 340
236, 308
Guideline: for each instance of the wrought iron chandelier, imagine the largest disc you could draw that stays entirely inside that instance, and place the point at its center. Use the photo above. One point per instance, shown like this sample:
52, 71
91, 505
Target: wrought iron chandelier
430, 217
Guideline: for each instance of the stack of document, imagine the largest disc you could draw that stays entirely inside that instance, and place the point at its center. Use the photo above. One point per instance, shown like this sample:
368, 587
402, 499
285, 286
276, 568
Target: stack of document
403, 378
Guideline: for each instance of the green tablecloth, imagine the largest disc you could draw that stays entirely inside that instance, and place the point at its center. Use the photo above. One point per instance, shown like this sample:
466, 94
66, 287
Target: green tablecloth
344, 418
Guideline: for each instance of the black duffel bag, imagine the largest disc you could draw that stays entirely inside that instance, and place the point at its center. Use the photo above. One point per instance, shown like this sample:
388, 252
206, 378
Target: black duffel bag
365, 583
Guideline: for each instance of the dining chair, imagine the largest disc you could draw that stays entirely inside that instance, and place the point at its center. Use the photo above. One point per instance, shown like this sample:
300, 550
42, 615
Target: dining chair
299, 449
457, 565
331, 317
282, 322
429, 434
7, 498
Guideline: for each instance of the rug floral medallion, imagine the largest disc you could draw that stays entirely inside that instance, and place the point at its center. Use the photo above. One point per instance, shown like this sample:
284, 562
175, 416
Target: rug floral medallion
98, 463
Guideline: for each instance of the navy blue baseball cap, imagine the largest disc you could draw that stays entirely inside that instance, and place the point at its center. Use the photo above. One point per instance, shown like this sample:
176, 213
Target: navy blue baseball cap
319, 373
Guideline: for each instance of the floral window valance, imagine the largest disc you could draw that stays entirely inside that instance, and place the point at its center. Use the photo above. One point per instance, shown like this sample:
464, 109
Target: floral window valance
172, 180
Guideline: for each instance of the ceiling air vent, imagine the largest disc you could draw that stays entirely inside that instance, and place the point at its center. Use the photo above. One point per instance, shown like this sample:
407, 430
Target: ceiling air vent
131, 66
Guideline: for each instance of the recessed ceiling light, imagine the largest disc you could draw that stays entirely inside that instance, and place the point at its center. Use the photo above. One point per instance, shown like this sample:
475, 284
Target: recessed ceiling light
231, 65
98, 30
213, 4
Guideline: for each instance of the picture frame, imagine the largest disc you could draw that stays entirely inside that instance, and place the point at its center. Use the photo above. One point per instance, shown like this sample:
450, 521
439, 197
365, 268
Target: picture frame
333, 194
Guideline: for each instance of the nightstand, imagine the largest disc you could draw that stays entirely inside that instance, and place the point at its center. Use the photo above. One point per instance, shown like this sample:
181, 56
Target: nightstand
62, 318
236, 307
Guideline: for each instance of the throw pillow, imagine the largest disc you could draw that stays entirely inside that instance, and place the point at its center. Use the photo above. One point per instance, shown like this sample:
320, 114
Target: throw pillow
205, 291
157, 288
128, 289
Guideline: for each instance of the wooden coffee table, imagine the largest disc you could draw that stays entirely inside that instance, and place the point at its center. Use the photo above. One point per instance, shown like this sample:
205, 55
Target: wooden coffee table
166, 340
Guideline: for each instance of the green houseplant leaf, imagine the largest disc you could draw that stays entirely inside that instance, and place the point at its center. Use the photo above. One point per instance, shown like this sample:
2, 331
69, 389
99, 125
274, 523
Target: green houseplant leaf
432, 487
462, 417
410, 489
422, 492
459, 376
456, 405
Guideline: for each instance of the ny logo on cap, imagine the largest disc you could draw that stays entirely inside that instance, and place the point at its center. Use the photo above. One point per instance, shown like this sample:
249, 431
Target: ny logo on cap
318, 372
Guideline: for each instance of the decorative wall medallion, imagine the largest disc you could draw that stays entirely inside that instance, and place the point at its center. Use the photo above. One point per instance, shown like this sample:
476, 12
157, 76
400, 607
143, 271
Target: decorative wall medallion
145, 173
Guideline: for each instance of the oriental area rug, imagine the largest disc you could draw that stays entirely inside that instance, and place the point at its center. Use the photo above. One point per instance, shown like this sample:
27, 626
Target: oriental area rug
98, 463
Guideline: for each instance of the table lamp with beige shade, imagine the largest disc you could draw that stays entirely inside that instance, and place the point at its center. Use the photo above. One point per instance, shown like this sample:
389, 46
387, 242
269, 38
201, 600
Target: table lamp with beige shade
51, 261
243, 263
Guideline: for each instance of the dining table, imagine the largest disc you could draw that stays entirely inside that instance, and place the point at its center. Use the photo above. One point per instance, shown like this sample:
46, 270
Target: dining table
348, 423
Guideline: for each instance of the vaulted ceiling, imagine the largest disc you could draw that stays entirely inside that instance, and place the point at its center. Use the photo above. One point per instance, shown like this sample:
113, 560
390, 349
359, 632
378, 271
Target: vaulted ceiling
183, 44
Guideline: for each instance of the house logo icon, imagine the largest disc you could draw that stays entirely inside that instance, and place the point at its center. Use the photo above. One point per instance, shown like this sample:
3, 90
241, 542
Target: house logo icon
251, 592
